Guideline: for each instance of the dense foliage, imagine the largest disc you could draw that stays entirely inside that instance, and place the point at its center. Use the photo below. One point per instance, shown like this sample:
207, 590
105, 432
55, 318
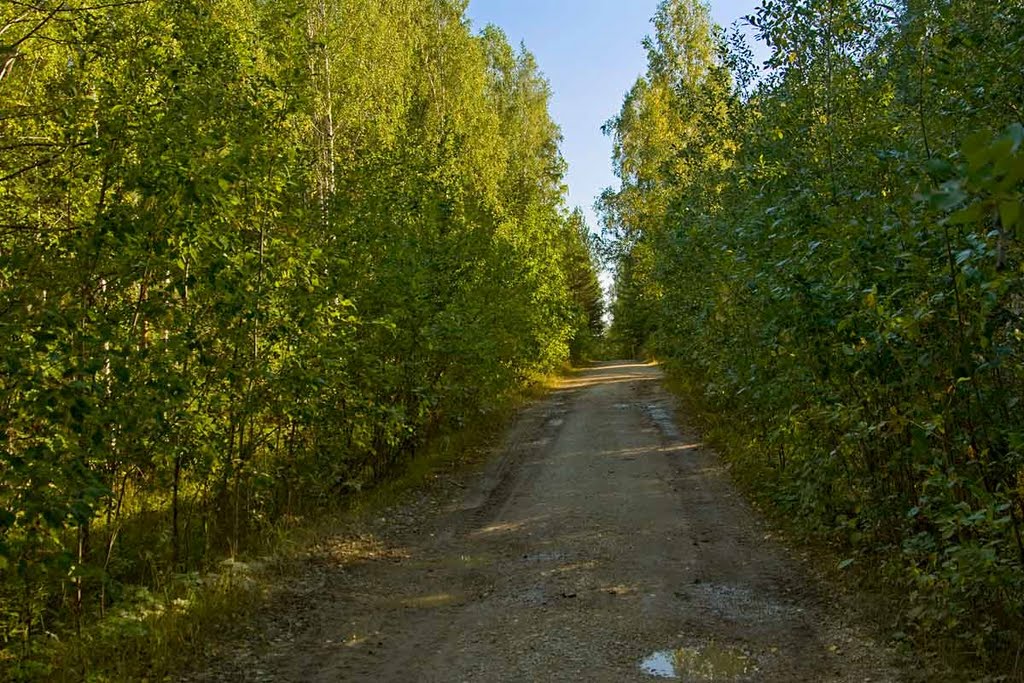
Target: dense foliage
830, 250
251, 255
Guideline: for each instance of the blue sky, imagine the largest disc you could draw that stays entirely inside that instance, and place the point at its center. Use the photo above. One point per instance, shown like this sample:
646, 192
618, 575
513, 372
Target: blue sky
590, 52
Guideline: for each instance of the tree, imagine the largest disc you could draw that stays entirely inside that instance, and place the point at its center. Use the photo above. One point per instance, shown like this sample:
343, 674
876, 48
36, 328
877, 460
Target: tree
826, 255
252, 255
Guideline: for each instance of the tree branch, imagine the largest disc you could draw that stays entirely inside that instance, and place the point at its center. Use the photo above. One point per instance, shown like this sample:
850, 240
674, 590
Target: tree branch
39, 163
12, 49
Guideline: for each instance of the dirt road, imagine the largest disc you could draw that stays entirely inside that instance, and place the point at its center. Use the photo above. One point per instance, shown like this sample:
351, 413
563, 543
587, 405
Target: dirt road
601, 543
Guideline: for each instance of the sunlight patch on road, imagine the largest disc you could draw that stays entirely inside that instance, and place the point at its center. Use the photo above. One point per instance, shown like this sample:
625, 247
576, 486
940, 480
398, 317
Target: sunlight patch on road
431, 601
678, 448
623, 366
504, 527
507, 527
597, 380
574, 567
354, 640
363, 549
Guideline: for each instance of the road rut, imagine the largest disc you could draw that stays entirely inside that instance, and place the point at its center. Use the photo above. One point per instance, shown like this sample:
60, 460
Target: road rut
602, 542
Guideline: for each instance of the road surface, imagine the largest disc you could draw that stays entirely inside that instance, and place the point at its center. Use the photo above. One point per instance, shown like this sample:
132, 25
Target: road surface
601, 542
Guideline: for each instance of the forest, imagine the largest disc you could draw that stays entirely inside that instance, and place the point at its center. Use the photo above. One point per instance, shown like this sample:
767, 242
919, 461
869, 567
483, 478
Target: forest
826, 252
253, 256
257, 257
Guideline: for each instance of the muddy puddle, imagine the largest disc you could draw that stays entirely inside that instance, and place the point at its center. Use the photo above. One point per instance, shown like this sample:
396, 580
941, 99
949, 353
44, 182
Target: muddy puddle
708, 663
663, 419
455, 562
742, 605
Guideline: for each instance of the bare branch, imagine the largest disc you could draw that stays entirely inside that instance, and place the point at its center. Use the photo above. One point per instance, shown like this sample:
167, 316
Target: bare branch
13, 22
12, 49
7, 64
21, 145
88, 8
39, 163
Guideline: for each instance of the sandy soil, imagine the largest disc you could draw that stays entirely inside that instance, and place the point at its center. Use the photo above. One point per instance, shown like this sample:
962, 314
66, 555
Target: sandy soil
600, 543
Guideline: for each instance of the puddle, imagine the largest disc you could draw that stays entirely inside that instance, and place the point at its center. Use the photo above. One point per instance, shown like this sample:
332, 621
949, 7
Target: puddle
552, 556
663, 419
534, 597
455, 562
740, 604
710, 663
660, 664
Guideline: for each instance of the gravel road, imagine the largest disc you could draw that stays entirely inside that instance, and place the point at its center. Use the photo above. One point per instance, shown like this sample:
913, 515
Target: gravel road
601, 542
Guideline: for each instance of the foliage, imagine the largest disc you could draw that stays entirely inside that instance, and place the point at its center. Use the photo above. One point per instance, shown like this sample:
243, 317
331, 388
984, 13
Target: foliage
831, 249
251, 255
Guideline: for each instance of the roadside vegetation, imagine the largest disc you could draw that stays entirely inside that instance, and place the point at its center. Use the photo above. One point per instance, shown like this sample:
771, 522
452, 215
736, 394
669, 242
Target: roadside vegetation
827, 253
254, 258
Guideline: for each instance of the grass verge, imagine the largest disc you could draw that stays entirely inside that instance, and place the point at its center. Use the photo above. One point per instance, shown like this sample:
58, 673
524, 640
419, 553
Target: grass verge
157, 633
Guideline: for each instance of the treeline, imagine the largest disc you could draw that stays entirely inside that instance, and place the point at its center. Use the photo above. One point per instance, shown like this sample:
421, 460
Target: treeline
829, 251
252, 255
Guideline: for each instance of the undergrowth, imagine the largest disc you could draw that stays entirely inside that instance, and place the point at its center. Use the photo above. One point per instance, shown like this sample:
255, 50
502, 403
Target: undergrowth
868, 583
828, 245
159, 630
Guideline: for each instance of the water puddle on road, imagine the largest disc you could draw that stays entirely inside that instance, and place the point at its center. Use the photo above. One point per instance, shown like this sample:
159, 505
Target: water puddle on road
663, 419
709, 663
548, 556
432, 565
740, 604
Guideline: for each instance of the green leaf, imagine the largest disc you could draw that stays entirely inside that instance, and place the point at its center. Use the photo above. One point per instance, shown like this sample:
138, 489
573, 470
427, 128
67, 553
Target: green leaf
1015, 134
948, 197
1009, 214
967, 215
939, 169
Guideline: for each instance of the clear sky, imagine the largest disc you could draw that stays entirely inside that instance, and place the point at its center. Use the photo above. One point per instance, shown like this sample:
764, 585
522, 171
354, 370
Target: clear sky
590, 51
